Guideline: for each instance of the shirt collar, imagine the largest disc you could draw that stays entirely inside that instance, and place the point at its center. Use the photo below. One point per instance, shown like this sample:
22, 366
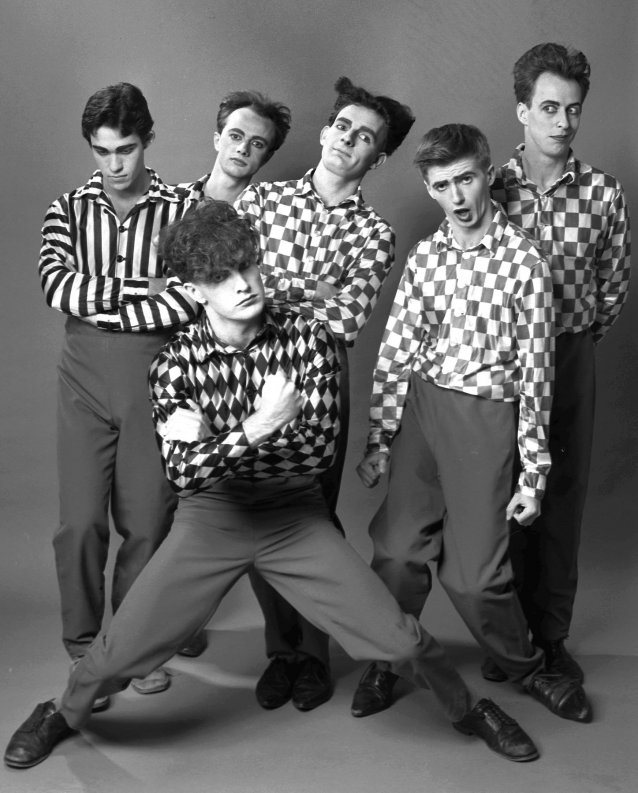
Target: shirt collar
208, 345
157, 190
514, 173
305, 187
444, 240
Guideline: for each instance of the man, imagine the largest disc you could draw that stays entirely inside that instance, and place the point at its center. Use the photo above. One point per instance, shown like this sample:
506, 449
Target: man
577, 215
250, 128
465, 371
325, 254
246, 407
98, 266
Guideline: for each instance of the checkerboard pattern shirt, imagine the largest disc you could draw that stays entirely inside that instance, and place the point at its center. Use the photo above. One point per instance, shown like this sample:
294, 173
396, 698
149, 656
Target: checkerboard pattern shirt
581, 224
194, 369
303, 242
94, 266
480, 321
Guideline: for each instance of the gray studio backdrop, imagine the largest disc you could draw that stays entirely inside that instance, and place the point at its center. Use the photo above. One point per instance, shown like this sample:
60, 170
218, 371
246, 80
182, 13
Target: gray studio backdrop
451, 60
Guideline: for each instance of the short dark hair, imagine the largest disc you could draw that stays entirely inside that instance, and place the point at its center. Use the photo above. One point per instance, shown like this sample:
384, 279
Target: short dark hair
263, 106
566, 62
209, 239
398, 117
121, 106
446, 144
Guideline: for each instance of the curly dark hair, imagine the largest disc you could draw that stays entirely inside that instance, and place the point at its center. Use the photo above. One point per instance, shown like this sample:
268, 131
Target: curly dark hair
263, 106
208, 240
121, 106
566, 62
398, 117
443, 145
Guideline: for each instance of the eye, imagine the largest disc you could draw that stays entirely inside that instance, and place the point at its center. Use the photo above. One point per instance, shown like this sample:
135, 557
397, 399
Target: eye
365, 138
219, 276
258, 144
234, 136
550, 109
574, 111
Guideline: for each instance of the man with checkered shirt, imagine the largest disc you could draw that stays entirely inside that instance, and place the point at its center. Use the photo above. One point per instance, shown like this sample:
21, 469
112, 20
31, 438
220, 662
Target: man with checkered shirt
465, 372
578, 217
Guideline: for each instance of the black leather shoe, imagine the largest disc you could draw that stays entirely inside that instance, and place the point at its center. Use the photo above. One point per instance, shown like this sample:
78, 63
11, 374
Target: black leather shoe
500, 732
560, 662
195, 646
561, 695
274, 687
34, 740
491, 671
374, 692
313, 685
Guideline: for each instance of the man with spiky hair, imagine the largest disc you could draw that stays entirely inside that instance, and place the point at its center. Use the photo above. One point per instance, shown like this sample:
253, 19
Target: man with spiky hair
99, 266
246, 405
325, 255
578, 216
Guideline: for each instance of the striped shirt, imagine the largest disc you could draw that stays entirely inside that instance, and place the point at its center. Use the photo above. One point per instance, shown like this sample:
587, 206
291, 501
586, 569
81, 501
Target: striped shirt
193, 368
581, 224
304, 242
97, 267
480, 321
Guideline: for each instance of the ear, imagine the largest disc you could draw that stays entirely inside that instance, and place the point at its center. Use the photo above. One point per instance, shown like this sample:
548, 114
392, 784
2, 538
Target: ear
322, 134
491, 174
216, 137
194, 292
521, 113
428, 188
381, 158
149, 138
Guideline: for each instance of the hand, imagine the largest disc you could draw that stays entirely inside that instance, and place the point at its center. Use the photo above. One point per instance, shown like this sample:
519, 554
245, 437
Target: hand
280, 402
523, 509
372, 468
324, 290
185, 425
156, 285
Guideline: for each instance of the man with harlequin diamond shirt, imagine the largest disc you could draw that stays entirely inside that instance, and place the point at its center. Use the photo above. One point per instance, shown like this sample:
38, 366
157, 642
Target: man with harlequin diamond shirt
246, 408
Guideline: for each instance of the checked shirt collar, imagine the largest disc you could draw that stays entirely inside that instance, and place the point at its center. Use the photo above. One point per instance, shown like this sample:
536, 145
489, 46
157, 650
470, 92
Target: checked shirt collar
514, 173
491, 240
157, 190
205, 344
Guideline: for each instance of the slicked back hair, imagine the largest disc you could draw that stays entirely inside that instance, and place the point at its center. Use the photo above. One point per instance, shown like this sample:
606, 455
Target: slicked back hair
566, 62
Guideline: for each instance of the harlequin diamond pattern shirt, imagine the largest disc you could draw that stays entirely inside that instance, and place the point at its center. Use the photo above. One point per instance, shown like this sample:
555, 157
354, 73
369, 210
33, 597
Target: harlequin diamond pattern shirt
193, 368
480, 321
303, 241
581, 224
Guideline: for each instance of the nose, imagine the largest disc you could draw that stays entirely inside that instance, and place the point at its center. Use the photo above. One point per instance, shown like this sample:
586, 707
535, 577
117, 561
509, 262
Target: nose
241, 281
115, 163
347, 136
243, 147
457, 194
562, 118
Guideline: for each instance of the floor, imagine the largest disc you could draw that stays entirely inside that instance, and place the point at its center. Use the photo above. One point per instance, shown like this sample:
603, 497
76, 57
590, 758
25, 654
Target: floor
207, 733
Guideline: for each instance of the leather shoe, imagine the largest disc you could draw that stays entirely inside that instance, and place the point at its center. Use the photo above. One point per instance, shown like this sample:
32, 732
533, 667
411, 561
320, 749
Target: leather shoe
34, 740
195, 646
500, 732
100, 704
153, 683
561, 695
491, 671
274, 687
560, 662
313, 685
374, 692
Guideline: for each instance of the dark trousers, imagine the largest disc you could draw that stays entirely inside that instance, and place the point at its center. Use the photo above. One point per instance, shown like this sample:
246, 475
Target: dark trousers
281, 527
450, 482
287, 632
545, 554
108, 460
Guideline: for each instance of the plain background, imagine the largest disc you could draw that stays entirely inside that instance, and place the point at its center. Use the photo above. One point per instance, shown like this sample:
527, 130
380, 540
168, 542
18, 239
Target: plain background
450, 60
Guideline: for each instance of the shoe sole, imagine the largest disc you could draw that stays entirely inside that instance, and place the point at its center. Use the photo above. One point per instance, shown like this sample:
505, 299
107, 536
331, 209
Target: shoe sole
153, 690
13, 764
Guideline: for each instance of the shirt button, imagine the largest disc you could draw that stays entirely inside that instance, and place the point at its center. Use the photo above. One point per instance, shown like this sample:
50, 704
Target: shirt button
122, 229
119, 259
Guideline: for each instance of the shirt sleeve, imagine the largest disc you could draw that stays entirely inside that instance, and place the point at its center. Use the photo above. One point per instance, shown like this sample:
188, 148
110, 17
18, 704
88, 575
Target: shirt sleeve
402, 339
535, 342
68, 290
613, 267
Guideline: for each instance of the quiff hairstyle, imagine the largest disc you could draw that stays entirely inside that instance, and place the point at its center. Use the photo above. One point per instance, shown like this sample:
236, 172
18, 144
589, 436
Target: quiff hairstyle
398, 117
121, 106
566, 62
444, 145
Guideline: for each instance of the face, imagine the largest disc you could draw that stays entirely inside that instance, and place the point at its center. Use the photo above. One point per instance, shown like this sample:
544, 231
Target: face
462, 190
244, 144
121, 160
235, 296
551, 121
354, 142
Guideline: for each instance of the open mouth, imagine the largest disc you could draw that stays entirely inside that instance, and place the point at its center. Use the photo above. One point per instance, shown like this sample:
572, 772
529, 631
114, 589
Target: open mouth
463, 214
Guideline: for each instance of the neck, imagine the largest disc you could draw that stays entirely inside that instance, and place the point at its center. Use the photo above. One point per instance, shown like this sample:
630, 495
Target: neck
468, 238
123, 200
333, 189
223, 187
234, 334
543, 171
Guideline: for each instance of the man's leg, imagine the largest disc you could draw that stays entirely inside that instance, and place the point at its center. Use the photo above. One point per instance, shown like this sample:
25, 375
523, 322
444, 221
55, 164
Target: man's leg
87, 445
545, 555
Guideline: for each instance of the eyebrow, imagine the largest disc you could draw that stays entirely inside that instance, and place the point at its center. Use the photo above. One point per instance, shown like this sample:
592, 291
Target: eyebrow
558, 104
115, 150
347, 121
242, 132
469, 172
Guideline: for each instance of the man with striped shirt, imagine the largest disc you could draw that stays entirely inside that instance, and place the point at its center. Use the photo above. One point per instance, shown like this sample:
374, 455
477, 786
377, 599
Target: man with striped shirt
578, 216
465, 372
99, 266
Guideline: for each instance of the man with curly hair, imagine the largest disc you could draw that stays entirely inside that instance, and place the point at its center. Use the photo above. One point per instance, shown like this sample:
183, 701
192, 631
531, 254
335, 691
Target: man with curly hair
246, 407
325, 255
